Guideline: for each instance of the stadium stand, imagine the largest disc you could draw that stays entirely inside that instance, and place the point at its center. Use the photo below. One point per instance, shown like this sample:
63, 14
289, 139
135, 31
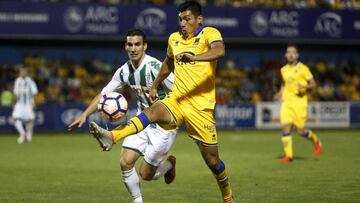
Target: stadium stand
328, 4
64, 81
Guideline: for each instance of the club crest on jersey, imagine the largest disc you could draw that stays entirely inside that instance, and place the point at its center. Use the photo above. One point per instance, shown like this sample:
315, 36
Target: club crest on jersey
197, 40
176, 43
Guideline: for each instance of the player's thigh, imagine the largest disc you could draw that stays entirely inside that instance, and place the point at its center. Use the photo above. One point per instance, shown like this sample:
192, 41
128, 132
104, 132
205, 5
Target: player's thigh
158, 113
300, 116
24, 113
133, 147
147, 171
200, 125
174, 114
128, 158
18, 112
160, 142
286, 114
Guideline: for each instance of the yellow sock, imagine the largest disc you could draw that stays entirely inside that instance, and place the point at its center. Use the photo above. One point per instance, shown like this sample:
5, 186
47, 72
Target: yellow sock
135, 125
312, 136
223, 181
224, 185
287, 143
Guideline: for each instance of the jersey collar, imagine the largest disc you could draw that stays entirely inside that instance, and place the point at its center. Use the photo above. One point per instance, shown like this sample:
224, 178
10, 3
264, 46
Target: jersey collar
293, 65
197, 31
132, 66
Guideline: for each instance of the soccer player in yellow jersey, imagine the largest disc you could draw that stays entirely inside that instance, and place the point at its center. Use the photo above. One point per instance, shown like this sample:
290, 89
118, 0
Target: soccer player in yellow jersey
297, 80
192, 55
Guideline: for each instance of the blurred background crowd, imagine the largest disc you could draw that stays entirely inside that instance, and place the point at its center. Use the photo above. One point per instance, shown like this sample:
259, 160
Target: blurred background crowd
336, 80
65, 81
332, 4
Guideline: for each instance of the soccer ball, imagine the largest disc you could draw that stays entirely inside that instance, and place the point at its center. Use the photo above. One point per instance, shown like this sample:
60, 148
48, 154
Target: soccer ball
112, 106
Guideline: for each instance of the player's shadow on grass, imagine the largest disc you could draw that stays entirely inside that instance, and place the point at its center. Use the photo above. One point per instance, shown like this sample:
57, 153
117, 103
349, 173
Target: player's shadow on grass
296, 158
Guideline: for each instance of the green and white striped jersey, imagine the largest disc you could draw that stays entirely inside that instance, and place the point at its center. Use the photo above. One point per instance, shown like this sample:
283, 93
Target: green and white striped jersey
140, 80
24, 90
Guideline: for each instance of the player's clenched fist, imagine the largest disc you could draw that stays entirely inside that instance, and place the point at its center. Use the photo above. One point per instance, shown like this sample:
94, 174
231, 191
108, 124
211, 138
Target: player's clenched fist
153, 95
184, 57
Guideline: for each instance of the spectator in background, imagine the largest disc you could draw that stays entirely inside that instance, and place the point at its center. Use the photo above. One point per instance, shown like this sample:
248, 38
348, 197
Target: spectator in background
65, 80
6, 96
228, 79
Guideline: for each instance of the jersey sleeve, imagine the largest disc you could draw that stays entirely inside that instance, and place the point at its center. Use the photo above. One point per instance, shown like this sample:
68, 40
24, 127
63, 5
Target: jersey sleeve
282, 73
307, 74
213, 35
169, 51
116, 82
168, 82
34, 89
16, 87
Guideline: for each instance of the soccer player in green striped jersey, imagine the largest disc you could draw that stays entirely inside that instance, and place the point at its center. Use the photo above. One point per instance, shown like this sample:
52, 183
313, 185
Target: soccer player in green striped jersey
154, 142
23, 113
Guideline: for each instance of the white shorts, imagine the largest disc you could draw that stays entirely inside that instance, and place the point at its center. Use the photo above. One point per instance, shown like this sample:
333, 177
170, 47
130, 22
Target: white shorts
153, 143
23, 112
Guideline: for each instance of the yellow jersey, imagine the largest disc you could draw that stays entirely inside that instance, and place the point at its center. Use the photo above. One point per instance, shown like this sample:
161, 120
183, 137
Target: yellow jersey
293, 75
195, 81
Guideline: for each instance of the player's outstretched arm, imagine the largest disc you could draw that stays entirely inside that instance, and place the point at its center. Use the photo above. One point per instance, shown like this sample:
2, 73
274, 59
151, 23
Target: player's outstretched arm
166, 68
311, 84
216, 51
79, 121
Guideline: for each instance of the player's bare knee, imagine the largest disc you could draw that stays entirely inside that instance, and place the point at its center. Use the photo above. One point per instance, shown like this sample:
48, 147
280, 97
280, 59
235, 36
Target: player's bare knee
301, 131
286, 128
125, 165
212, 160
157, 113
145, 175
151, 113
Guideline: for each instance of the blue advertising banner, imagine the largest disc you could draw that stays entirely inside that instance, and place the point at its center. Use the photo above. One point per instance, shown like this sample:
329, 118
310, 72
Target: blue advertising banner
78, 20
235, 116
106, 21
44, 118
57, 118
355, 115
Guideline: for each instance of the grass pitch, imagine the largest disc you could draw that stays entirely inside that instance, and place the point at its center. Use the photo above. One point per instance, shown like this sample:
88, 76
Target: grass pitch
72, 168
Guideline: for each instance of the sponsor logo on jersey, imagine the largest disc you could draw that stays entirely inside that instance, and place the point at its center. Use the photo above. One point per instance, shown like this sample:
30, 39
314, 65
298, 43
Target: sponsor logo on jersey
210, 128
182, 63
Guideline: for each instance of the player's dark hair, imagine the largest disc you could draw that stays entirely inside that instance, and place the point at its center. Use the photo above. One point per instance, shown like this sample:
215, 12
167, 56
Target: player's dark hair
293, 45
136, 32
192, 6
